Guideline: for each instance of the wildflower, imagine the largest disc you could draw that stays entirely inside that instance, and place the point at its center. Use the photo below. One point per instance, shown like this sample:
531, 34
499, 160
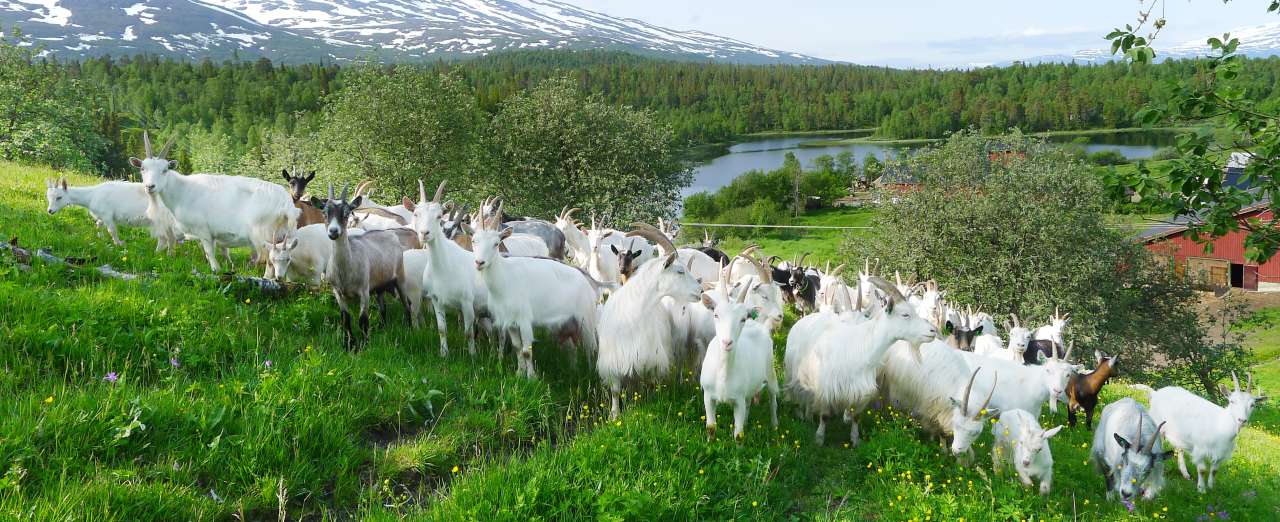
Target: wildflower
754, 503
701, 471
111, 377
173, 361
307, 349
1128, 504
48, 400
267, 363
455, 468
247, 300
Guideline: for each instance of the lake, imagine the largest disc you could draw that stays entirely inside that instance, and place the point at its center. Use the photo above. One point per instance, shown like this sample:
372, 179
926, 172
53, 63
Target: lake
767, 153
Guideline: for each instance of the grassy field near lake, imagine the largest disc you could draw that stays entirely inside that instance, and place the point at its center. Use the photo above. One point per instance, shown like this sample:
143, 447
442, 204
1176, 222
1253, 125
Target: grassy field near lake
227, 402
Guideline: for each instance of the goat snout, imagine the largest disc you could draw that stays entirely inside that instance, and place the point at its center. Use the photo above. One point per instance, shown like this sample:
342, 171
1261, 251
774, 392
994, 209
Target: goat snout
480, 264
50, 212
334, 232
151, 187
728, 344
1026, 462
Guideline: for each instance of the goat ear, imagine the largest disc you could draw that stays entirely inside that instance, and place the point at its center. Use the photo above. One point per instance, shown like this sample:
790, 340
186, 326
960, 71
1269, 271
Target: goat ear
506, 233
708, 302
1097, 356
1052, 431
137, 163
285, 173
1121, 441
293, 243
1114, 359
1223, 390
408, 205
355, 203
311, 176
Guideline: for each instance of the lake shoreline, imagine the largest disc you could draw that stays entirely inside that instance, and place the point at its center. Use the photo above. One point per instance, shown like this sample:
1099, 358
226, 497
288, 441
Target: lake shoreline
871, 140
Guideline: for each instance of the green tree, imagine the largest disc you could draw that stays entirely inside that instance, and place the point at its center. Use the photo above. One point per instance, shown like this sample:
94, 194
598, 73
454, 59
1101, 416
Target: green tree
872, 169
555, 146
45, 116
399, 125
1027, 234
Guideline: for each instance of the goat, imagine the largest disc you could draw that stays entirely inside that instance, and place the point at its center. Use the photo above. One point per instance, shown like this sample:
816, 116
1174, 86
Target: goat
838, 374
804, 286
1021, 443
990, 345
523, 245
219, 210
963, 328
1047, 339
1201, 428
708, 247
118, 203
360, 265
527, 293
310, 214
927, 389
738, 361
577, 246
550, 235
1025, 387
409, 276
1082, 389
453, 282
302, 257
634, 340
1131, 463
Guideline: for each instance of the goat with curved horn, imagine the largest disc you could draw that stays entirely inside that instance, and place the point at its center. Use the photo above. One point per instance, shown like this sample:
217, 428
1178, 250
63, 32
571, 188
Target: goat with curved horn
652, 234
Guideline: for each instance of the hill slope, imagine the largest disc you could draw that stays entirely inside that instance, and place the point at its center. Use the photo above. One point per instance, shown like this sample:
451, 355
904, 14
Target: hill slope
390, 30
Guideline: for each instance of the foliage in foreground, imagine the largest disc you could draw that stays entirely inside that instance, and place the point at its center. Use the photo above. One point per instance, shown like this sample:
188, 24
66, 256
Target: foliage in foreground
1022, 230
228, 403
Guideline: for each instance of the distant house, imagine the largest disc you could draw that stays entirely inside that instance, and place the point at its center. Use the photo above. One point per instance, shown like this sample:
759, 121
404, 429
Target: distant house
1234, 171
899, 178
1225, 266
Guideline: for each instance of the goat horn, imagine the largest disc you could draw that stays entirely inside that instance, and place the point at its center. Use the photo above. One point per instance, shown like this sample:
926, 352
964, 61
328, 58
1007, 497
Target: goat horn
647, 231
495, 222
801, 261
344, 192
1140, 434
1235, 381
836, 272
995, 376
164, 151
897, 277
1015, 319
771, 259
146, 143
866, 265
331, 191
439, 191
891, 291
1070, 346
422, 192
826, 268
968, 389
749, 250
1152, 445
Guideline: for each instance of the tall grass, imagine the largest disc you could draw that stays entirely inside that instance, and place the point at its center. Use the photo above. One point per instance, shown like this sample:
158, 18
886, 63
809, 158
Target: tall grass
228, 402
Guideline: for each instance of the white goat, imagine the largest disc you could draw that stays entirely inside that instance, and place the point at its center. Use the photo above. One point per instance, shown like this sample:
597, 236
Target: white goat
1127, 451
527, 293
525, 245
1026, 387
579, 248
118, 203
413, 270
928, 391
452, 282
219, 210
1020, 442
635, 341
1047, 339
738, 361
1010, 350
1201, 428
304, 256
838, 374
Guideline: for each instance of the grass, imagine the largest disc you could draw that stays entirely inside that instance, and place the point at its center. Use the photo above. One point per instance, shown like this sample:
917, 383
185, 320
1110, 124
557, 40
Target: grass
822, 245
394, 431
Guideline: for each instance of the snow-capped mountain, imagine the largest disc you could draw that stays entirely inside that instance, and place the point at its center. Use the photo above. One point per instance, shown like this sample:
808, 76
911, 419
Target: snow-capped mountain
1257, 41
312, 30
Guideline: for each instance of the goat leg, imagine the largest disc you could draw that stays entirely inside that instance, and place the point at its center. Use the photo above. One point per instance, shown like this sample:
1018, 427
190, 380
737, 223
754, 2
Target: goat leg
346, 327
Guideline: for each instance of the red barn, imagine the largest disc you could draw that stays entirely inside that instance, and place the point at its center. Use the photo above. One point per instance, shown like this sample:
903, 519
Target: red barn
1226, 266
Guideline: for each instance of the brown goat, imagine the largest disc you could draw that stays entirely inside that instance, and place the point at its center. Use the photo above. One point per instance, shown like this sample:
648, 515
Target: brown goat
298, 189
1082, 389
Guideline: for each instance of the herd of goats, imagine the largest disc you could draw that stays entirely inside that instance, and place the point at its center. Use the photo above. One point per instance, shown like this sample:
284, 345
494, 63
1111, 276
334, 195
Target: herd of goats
638, 306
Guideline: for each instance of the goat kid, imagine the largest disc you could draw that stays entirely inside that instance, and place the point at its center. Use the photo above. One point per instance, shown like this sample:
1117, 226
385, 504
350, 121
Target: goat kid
738, 361
1022, 444
118, 203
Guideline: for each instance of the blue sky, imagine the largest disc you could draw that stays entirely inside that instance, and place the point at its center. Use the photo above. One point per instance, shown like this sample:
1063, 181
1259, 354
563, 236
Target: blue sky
920, 33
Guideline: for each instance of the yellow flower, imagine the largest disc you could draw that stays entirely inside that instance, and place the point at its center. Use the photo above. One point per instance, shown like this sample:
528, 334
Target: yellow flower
247, 300
455, 469
48, 400
680, 414
701, 471
307, 349
1165, 509
754, 503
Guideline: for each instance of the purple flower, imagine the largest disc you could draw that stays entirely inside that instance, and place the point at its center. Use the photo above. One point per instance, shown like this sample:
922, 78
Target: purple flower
173, 361
111, 377
267, 363
1128, 504
1222, 515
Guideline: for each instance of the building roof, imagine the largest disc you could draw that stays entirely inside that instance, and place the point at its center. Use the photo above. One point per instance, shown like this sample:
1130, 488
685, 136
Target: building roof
1180, 224
898, 173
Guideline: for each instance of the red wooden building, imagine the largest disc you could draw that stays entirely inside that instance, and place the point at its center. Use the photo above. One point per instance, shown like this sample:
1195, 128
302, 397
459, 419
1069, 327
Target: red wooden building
1226, 265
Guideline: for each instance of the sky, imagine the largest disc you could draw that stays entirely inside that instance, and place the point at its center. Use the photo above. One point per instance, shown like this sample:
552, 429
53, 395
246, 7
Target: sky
933, 33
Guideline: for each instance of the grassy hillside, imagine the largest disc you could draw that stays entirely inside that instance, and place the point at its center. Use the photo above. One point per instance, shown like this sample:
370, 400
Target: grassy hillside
232, 403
